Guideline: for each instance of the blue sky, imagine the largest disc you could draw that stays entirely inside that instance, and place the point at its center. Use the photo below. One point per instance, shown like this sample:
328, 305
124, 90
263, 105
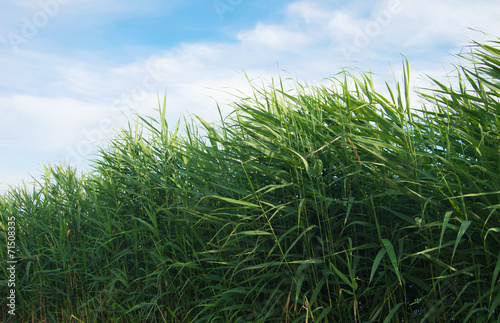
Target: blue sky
75, 71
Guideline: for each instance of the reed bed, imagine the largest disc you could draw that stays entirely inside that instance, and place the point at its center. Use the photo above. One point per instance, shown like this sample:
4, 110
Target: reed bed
322, 204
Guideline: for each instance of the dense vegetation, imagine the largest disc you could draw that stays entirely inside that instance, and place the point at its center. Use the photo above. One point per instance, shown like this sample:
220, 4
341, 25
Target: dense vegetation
322, 204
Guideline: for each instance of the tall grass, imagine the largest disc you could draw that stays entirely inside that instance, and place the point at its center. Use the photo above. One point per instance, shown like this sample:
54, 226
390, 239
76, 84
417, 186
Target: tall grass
322, 204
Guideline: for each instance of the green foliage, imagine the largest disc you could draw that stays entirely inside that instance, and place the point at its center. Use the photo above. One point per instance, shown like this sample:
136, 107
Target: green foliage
323, 204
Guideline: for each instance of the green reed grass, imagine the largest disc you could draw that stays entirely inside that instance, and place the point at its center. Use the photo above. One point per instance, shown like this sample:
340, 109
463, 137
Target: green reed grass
321, 204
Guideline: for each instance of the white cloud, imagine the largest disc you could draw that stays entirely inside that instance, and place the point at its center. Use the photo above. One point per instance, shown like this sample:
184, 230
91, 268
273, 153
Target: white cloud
447, 21
310, 12
275, 38
47, 123
405, 24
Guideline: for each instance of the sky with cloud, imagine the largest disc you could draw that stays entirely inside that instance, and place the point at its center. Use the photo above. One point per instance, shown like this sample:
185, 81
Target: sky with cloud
75, 71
